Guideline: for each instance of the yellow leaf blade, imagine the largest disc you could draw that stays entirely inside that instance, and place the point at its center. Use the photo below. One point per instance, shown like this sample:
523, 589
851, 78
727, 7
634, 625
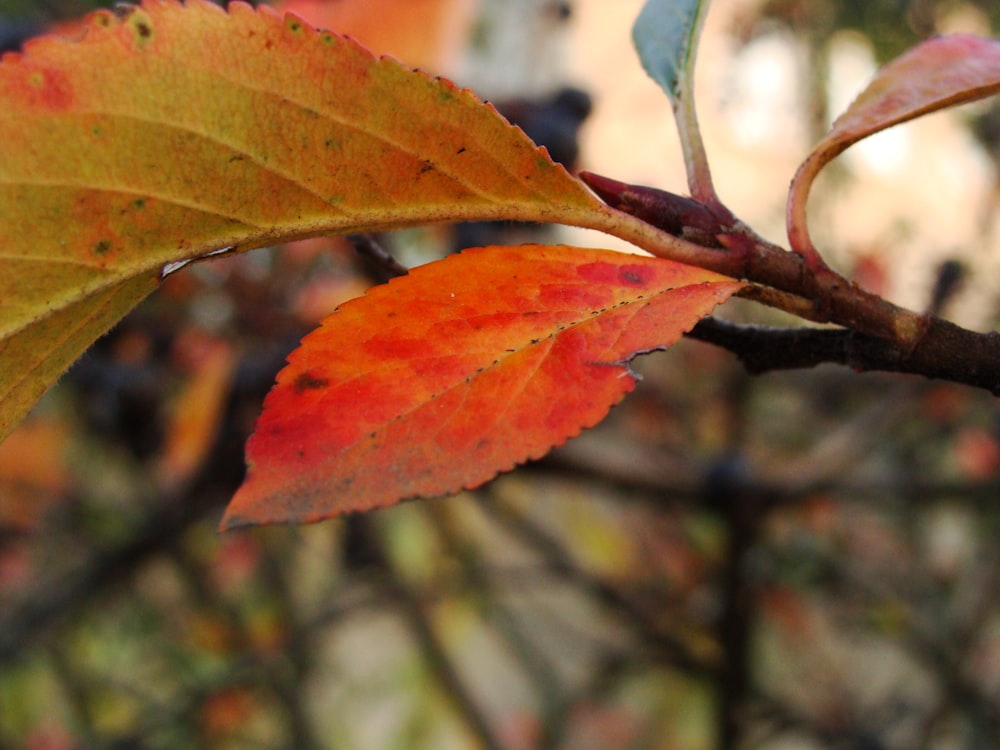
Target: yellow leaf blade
175, 130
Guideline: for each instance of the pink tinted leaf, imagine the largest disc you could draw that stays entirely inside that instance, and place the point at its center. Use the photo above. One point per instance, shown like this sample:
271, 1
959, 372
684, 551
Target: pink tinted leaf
939, 73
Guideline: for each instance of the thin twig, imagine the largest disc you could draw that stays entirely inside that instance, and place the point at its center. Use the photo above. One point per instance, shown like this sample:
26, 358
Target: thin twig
434, 652
381, 264
289, 685
561, 563
530, 657
952, 353
735, 680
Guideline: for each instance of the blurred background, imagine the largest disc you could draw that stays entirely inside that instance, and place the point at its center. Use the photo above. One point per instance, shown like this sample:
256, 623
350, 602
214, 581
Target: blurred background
795, 561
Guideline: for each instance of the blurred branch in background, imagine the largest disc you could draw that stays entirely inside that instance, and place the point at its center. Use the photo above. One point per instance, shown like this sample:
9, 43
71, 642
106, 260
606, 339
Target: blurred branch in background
804, 559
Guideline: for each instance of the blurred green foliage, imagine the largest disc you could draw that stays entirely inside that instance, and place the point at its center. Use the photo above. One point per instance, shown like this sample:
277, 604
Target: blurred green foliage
893, 26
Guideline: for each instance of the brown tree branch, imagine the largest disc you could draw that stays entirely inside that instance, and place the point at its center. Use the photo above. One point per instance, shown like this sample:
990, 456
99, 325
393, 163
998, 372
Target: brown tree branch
946, 351
877, 335
379, 262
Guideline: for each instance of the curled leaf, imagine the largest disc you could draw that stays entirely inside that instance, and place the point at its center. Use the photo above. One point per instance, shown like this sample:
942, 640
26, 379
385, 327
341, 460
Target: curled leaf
446, 377
939, 73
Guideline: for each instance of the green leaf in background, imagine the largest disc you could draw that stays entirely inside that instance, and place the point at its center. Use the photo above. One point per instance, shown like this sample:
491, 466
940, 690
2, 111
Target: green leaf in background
665, 35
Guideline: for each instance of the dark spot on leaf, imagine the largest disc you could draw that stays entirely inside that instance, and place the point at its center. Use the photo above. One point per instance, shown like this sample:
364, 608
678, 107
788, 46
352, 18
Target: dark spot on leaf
102, 247
461, 150
427, 166
300, 453
144, 29
139, 203
634, 275
306, 381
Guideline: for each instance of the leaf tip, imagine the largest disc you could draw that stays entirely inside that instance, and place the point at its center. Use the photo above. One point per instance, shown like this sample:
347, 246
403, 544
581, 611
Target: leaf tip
234, 522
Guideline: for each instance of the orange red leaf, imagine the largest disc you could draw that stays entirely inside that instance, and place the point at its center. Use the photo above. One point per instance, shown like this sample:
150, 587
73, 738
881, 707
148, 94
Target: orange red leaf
468, 366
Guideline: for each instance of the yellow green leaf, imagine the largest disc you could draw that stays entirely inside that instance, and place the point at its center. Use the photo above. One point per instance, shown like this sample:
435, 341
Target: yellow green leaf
171, 131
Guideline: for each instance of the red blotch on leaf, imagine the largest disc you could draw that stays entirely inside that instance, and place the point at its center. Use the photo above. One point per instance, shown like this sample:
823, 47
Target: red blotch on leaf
41, 89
